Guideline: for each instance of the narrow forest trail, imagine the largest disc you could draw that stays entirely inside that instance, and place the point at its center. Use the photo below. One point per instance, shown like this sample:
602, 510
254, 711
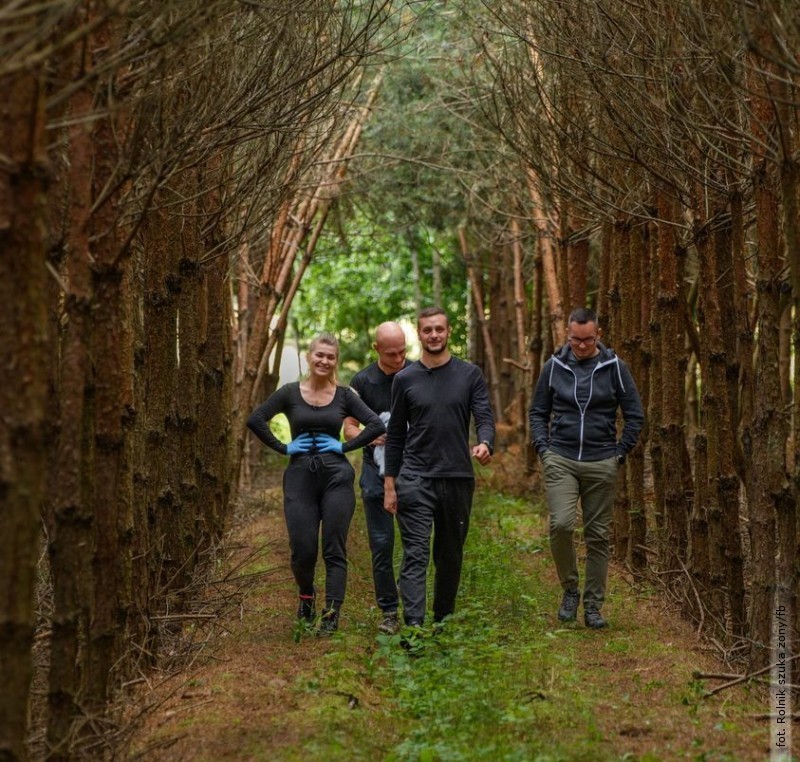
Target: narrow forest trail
503, 681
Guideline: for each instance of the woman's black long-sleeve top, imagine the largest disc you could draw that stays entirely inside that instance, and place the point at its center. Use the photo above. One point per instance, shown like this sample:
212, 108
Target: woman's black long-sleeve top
314, 419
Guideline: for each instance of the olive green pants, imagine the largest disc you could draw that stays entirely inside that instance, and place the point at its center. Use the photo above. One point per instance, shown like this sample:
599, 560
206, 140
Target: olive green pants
594, 484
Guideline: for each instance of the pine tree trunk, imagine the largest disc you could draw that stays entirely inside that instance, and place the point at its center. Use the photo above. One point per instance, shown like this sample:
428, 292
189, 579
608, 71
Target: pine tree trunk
195, 534
144, 557
477, 295
522, 383
577, 254
655, 385
789, 527
160, 240
636, 309
698, 563
111, 350
676, 483
744, 391
69, 525
547, 249
604, 280
535, 350
23, 389
729, 484
711, 568
215, 435
769, 493
766, 483
620, 259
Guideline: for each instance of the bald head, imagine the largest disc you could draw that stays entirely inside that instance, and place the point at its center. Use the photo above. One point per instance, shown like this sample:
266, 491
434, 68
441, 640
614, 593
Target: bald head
388, 331
390, 344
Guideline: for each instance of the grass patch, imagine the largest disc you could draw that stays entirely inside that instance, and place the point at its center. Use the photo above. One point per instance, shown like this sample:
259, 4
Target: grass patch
503, 679
489, 685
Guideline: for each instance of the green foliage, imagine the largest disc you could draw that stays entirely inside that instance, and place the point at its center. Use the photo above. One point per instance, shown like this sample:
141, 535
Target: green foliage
417, 136
279, 425
360, 277
356, 281
421, 157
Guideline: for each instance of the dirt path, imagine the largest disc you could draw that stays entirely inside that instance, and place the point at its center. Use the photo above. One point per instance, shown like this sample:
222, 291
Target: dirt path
253, 695
244, 684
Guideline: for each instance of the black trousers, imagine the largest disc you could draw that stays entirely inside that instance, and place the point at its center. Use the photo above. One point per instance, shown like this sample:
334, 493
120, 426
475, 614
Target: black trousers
318, 491
441, 506
380, 527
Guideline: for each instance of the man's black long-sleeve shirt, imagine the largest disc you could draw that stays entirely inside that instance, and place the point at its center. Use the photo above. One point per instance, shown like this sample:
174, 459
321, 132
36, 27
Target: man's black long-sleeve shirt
375, 388
428, 433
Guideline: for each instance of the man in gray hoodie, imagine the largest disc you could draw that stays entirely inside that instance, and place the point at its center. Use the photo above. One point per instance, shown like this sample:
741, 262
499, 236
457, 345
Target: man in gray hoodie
573, 418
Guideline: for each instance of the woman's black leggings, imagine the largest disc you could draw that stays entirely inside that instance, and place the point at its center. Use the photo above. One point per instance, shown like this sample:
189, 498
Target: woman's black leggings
319, 489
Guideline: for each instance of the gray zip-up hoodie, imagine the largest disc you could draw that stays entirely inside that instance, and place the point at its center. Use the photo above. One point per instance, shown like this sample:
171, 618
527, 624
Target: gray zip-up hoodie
584, 428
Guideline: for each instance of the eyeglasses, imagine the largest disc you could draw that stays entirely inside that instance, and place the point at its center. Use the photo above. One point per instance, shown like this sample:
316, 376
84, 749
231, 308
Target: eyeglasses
576, 341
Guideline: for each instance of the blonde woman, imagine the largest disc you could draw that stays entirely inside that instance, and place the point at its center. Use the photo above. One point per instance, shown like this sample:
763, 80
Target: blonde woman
318, 483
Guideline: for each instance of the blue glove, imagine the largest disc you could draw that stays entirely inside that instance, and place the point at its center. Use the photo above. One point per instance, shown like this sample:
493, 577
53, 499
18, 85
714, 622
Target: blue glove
303, 443
326, 443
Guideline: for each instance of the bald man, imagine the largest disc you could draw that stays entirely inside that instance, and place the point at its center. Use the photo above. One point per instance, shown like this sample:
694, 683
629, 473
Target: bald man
374, 384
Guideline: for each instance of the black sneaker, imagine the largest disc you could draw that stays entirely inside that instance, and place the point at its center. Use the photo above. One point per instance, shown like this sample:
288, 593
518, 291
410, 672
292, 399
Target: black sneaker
390, 624
568, 611
307, 608
328, 622
592, 618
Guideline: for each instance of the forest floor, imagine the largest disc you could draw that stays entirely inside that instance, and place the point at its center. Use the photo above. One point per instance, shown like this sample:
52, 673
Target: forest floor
503, 680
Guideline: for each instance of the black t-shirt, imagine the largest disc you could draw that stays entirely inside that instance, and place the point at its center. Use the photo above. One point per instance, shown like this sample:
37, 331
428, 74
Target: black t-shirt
375, 388
314, 419
428, 433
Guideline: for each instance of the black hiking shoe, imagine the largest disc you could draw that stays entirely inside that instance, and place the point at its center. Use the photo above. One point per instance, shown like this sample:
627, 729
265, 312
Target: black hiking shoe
307, 608
568, 611
390, 624
328, 623
592, 618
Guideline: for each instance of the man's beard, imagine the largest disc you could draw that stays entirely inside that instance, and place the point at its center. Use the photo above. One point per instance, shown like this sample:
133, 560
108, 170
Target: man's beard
437, 350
